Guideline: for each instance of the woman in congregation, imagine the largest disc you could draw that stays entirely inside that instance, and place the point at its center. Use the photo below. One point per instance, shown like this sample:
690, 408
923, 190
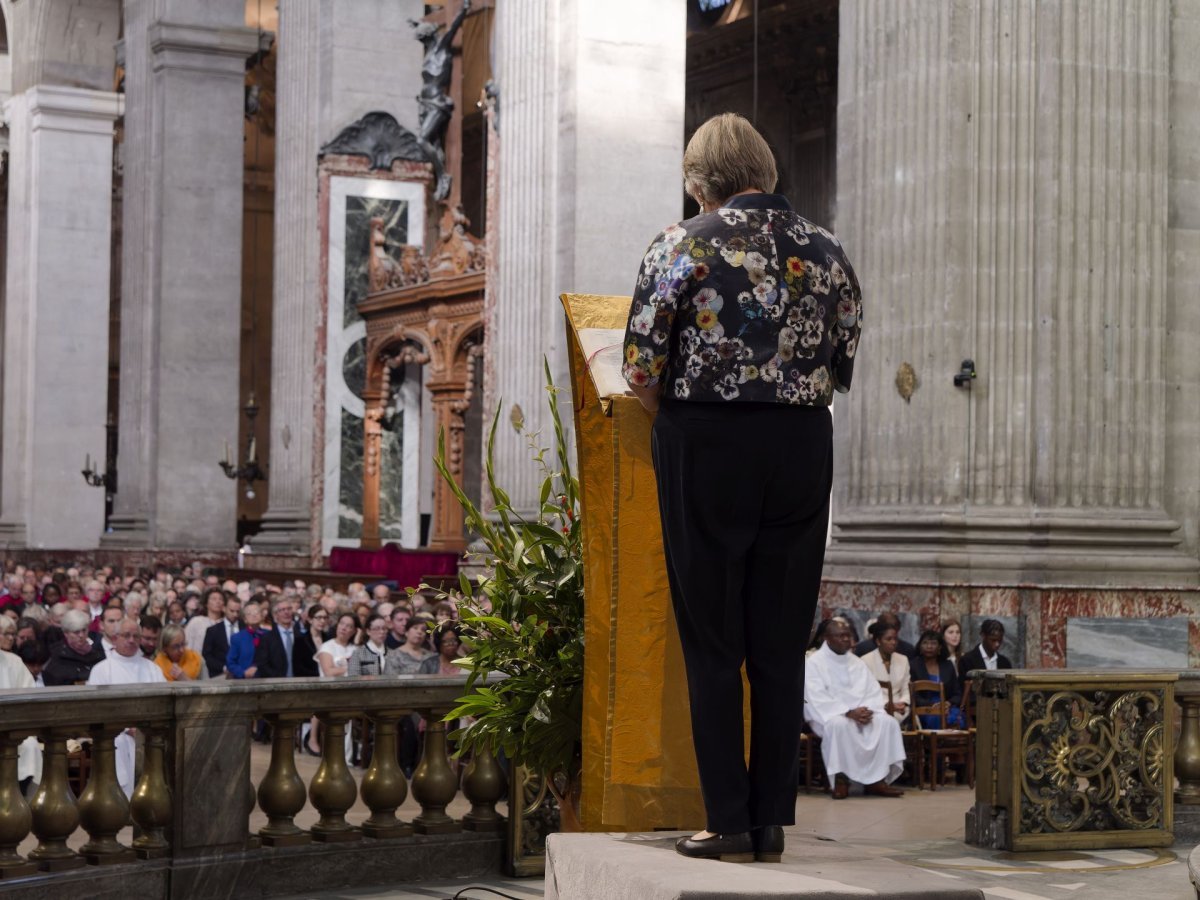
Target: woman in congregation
407, 658
333, 661
887, 665
243, 646
333, 656
952, 636
447, 638
371, 655
8, 632
177, 662
316, 633
932, 664
308, 642
51, 594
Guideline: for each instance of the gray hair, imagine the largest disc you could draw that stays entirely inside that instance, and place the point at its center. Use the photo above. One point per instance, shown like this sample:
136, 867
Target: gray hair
134, 597
37, 613
279, 599
7, 625
75, 620
726, 156
169, 633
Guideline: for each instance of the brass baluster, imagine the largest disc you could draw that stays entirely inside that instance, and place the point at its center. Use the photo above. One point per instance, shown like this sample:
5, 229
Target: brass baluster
483, 785
333, 790
434, 784
281, 793
151, 803
55, 814
103, 806
1187, 753
15, 817
383, 787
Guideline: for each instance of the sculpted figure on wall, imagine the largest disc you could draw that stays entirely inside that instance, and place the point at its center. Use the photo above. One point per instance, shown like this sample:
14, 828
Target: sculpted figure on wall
434, 99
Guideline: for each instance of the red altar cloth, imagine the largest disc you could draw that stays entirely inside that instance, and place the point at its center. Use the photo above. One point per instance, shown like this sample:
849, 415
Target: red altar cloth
391, 563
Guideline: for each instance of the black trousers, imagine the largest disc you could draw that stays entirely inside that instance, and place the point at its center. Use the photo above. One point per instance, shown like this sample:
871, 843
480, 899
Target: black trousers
743, 493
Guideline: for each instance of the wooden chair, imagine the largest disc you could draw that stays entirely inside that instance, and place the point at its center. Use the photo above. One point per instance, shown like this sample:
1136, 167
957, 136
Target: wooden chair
950, 744
913, 756
811, 764
79, 766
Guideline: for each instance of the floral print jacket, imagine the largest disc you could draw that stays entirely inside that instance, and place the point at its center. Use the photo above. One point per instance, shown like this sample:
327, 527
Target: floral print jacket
751, 302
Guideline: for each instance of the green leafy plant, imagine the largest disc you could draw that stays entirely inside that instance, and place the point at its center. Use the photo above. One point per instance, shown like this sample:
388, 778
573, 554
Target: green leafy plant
524, 619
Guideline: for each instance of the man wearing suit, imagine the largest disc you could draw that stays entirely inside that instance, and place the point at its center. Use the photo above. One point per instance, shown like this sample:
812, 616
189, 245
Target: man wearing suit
218, 637
987, 654
277, 655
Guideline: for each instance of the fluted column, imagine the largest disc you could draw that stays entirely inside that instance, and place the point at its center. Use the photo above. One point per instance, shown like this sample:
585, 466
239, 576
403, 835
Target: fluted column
338, 60
1002, 192
56, 301
181, 271
576, 212
287, 525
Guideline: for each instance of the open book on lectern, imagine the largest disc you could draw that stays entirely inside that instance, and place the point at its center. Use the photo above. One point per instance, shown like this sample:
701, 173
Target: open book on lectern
597, 323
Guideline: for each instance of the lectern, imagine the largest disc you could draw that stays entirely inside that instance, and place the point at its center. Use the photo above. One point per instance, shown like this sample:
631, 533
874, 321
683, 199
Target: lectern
639, 768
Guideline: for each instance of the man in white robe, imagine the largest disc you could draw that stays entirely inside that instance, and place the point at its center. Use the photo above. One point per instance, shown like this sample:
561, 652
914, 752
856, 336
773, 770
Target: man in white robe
844, 708
126, 666
15, 676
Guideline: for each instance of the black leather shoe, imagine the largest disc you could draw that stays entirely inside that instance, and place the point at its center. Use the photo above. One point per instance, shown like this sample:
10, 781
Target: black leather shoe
768, 843
735, 848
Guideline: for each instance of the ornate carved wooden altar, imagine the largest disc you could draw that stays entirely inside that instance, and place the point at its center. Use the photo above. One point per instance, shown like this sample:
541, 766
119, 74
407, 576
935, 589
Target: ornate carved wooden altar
427, 312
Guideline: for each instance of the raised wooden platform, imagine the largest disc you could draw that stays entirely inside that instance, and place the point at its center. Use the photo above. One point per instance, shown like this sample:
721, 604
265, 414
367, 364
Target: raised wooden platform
646, 867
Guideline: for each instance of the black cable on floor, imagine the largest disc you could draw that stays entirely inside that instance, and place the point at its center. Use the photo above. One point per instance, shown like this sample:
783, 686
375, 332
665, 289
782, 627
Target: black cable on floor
488, 889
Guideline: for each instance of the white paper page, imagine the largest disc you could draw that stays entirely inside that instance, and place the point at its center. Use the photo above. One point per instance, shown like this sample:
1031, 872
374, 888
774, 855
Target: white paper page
604, 352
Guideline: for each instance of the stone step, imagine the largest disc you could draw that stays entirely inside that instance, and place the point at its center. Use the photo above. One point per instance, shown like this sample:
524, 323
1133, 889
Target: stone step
646, 867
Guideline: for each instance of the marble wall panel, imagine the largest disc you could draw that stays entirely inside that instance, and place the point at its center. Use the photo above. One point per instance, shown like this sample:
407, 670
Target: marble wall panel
353, 202
1035, 618
391, 481
1127, 643
350, 505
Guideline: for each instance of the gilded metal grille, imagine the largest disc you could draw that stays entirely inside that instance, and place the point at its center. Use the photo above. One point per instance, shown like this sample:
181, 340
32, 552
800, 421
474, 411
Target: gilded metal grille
1093, 760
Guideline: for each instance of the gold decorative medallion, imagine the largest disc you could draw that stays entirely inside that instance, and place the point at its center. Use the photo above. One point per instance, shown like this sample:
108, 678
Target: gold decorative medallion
906, 381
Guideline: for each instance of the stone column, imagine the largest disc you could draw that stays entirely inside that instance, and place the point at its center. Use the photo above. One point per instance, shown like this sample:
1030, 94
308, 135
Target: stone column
181, 272
590, 168
1182, 471
1002, 174
338, 59
56, 314
287, 525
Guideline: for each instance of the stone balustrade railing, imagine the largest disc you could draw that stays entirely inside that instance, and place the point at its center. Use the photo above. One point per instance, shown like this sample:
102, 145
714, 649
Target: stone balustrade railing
192, 803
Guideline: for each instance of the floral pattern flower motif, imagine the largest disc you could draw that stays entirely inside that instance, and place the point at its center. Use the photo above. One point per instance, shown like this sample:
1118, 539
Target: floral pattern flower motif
751, 302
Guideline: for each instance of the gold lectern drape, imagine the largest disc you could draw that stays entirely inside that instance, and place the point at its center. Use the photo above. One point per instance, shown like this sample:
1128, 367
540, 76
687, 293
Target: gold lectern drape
639, 768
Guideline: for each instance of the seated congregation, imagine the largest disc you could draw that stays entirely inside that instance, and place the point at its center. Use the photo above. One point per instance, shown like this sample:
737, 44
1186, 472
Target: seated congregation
83, 624
880, 707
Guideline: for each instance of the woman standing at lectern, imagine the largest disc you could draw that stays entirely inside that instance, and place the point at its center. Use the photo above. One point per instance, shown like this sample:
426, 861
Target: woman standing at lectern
744, 322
